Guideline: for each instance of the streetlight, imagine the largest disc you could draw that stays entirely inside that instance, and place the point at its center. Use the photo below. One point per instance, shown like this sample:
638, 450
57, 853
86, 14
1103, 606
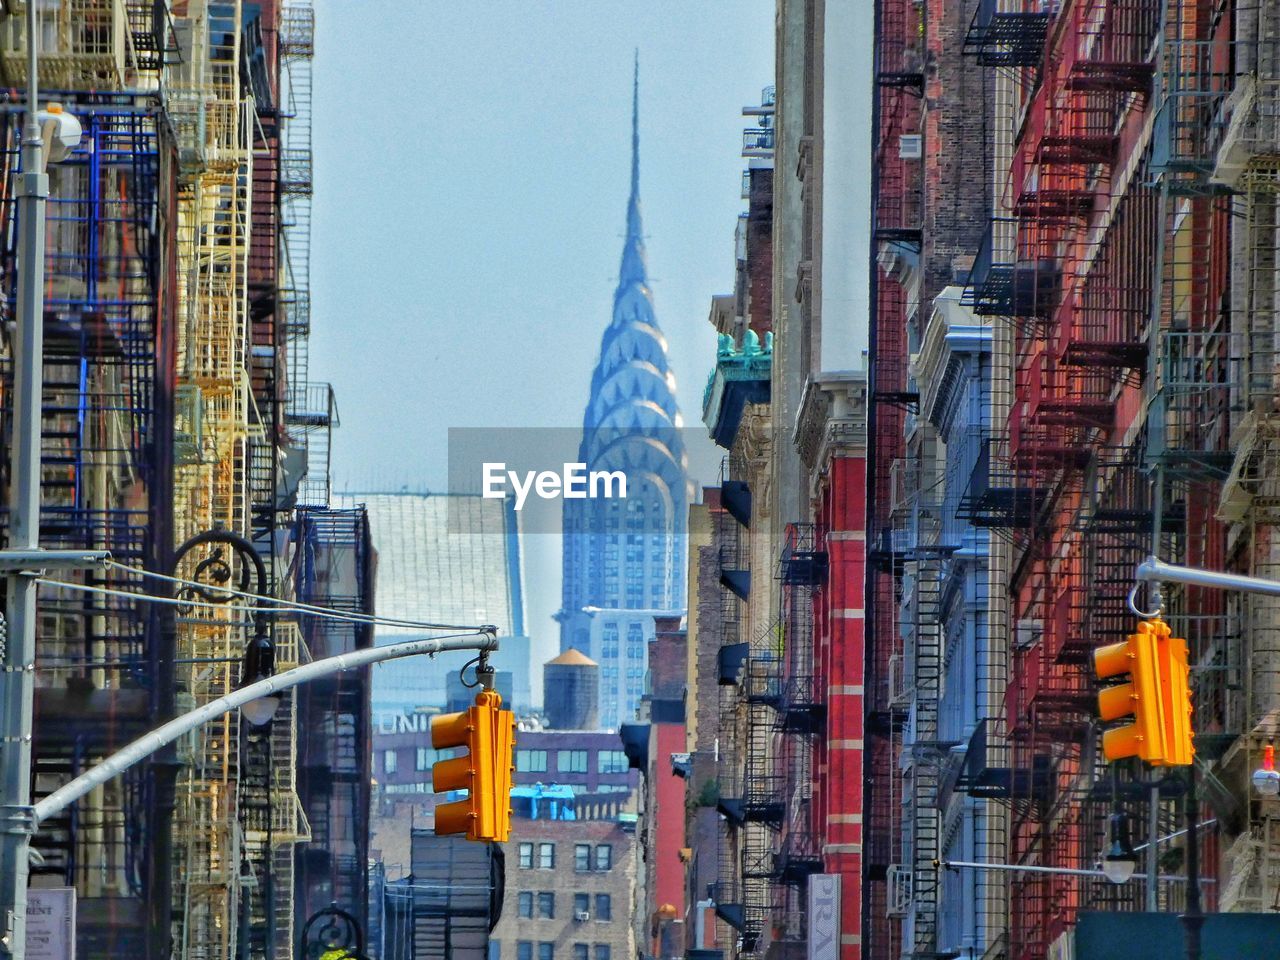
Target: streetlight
1120, 861
223, 577
259, 664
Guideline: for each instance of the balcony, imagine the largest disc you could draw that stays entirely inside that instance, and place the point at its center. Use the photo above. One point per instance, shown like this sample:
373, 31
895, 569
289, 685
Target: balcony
995, 496
762, 682
1058, 397
735, 497
1193, 120
730, 659
1201, 394
802, 564
311, 405
976, 771
757, 142
800, 708
734, 574
1004, 284
635, 744
798, 858
84, 44
1252, 130
1007, 38
763, 801
728, 900
1109, 46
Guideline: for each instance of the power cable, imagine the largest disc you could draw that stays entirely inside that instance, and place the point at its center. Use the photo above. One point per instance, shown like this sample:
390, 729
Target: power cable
295, 604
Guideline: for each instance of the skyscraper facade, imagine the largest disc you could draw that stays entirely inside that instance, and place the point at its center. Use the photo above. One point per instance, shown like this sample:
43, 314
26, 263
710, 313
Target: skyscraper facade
624, 558
445, 558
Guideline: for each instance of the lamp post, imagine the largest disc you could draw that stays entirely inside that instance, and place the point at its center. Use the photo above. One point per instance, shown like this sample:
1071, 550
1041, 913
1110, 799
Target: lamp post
1120, 861
227, 567
18, 651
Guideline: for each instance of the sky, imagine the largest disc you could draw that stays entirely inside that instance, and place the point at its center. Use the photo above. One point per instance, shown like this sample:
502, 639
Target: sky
471, 174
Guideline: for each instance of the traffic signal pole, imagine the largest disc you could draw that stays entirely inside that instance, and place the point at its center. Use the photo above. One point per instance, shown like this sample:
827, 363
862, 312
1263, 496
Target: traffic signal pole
484, 641
1156, 571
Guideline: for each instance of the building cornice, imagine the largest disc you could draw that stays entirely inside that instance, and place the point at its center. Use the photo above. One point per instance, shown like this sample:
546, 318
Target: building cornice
832, 420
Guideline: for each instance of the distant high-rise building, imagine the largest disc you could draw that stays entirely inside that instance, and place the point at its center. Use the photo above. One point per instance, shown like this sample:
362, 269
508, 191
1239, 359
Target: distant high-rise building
445, 558
624, 560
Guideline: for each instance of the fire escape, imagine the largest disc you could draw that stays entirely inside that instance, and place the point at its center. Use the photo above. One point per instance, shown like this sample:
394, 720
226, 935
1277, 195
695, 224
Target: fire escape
897, 204
755, 805
800, 713
1068, 266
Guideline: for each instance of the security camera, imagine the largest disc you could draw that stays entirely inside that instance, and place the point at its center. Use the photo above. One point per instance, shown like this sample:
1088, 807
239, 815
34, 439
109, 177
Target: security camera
61, 132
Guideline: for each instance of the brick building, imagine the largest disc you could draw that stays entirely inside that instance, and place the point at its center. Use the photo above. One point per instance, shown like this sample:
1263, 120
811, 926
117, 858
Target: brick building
569, 889
656, 744
588, 761
780, 590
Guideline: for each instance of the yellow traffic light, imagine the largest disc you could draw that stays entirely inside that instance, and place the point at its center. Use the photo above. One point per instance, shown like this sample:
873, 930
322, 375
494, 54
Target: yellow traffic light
1175, 692
487, 733
1144, 737
1158, 695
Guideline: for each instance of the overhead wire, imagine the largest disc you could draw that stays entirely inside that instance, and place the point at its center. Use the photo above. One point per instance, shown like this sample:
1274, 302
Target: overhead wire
280, 604
310, 609
296, 605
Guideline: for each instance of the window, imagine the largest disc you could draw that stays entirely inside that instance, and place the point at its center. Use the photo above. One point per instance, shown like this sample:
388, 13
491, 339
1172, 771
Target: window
611, 761
524, 950
546, 856
422, 761
580, 952
546, 951
604, 857
526, 904
581, 903
609, 638
602, 951
581, 857
546, 905
389, 761
526, 856
571, 761
604, 906
531, 761
495, 950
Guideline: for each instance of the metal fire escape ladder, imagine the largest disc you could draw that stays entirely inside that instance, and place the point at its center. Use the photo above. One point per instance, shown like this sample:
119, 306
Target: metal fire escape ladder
926, 657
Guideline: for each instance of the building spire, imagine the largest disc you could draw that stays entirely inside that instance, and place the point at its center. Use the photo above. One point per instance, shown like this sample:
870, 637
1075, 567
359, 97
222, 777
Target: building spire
635, 133
633, 267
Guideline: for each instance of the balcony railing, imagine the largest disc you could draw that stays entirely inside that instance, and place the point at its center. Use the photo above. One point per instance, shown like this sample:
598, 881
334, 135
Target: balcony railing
1008, 38
757, 142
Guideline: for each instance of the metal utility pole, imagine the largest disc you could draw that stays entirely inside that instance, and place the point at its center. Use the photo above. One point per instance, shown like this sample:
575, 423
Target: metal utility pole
17, 666
483, 641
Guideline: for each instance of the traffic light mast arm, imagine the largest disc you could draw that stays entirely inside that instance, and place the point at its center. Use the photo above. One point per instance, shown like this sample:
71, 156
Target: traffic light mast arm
1157, 572
484, 640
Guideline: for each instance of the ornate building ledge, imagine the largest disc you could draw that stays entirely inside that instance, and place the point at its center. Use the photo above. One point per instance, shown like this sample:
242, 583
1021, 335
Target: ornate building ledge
832, 420
740, 377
